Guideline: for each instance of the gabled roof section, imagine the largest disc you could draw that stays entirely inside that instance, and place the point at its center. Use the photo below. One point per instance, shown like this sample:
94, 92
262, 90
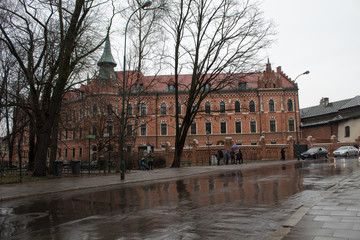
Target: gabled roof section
329, 108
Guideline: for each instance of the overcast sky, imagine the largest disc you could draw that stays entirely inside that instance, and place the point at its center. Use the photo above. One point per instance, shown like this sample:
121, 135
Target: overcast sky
322, 36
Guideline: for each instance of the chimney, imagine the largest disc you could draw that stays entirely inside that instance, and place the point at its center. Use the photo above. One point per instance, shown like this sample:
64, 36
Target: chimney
278, 69
324, 101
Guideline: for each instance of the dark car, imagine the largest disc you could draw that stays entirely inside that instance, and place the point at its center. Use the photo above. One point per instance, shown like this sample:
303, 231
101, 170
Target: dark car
315, 152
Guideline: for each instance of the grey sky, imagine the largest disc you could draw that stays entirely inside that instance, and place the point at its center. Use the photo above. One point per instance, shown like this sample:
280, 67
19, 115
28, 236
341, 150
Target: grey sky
322, 36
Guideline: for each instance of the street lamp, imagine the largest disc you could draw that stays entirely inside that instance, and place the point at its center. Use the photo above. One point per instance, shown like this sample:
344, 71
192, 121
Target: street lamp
296, 104
122, 142
109, 127
208, 144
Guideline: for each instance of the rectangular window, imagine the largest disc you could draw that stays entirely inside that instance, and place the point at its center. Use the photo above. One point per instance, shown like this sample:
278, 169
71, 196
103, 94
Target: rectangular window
238, 127
80, 152
143, 129
272, 125
253, 126
73, 153
66, 134
65, 152
291, 125
347, 131
223, 127
163, 129
73, 116
73, 134
193, 128
129, 130
80, 133
208, 127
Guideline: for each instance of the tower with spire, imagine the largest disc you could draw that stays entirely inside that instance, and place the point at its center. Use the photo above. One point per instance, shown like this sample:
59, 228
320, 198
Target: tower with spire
107, 64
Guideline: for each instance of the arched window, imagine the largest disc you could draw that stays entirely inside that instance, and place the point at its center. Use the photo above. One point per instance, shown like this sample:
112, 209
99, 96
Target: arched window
237, 107
207, 107
163, 109
143, 109
252, 106
271, 106
222, 107
290, 105
129, 110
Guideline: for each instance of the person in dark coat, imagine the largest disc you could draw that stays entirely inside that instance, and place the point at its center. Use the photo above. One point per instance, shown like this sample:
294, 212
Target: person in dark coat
239, 157
232, 155
227, 157
282, 154
220, 157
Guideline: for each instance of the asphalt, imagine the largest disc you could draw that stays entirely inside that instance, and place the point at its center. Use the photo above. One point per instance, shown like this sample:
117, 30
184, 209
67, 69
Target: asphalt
334, 215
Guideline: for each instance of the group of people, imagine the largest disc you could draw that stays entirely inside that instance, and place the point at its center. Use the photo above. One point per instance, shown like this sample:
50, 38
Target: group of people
234, 157
146, 162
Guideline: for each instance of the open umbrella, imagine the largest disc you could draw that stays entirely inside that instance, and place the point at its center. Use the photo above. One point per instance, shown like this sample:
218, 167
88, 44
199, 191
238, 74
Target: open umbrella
234, 146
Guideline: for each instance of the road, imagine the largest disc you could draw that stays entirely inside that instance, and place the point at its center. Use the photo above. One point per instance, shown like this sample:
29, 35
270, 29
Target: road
239, 204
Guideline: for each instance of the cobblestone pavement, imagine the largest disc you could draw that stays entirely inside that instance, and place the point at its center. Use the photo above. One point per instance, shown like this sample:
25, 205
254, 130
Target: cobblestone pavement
335, 215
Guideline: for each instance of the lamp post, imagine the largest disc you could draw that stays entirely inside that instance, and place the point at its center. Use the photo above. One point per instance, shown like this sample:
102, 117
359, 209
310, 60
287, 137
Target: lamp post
208, 144
296, 122
109, 130
122, 142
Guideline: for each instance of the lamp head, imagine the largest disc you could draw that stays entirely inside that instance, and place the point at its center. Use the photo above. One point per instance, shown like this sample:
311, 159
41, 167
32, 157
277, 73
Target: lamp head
307, 72
146, 4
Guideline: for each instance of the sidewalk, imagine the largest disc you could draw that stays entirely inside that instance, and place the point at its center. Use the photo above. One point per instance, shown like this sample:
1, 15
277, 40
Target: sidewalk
335, 215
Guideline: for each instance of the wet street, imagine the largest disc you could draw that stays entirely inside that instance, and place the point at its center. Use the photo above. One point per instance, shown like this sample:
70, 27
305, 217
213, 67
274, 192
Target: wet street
238, 204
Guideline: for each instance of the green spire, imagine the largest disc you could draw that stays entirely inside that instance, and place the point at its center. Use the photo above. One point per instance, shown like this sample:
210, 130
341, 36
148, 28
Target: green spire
107, 64
107, 57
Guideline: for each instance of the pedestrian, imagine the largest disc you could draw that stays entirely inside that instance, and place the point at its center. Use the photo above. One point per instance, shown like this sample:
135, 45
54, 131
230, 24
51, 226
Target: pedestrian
150, 159
282, 154
239, 157
227, 157
220, 157
232, 155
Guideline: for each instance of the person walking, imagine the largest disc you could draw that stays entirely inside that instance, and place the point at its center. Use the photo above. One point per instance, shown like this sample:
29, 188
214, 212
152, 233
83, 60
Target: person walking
282, 154
227, 157
150, 159
239, 157
220, 157
232, 155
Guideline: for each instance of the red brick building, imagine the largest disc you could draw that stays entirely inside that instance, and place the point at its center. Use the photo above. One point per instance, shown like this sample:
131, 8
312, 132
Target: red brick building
256, 104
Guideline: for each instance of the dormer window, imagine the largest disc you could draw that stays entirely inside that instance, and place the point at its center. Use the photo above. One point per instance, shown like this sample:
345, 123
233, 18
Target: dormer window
138, 87
171, 88
243, 85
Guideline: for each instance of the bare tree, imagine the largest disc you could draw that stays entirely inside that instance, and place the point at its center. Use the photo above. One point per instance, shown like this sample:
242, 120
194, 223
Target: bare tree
215, 40
51, 40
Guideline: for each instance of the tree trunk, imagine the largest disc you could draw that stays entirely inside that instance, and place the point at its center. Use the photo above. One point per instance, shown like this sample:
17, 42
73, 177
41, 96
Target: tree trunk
42, 142
53, 145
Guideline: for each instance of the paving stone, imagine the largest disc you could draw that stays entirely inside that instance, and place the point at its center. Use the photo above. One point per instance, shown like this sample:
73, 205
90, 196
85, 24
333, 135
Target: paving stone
350, 234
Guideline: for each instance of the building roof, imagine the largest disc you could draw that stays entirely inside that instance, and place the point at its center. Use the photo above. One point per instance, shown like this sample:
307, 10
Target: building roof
329, 108
327, 112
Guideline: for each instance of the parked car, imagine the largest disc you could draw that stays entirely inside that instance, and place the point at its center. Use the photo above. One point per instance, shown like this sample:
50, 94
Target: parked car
315, 152
346, 151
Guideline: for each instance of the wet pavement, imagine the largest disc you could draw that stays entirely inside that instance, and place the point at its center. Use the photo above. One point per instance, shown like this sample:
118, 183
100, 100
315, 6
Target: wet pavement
252, 201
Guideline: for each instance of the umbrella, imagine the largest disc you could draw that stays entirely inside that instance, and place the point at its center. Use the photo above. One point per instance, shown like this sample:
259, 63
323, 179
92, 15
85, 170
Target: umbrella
234, 146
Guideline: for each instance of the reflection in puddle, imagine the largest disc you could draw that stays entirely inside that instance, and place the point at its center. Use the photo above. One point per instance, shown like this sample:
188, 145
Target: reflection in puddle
248, 203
